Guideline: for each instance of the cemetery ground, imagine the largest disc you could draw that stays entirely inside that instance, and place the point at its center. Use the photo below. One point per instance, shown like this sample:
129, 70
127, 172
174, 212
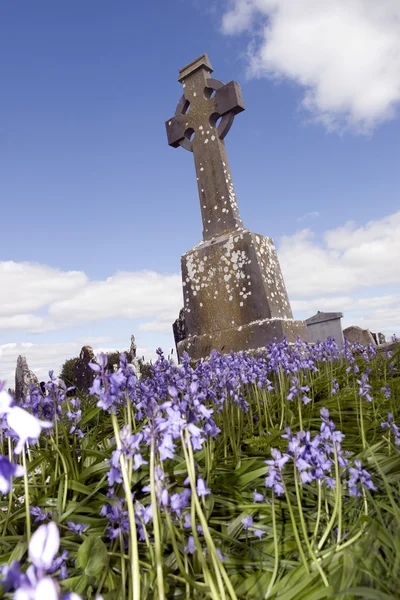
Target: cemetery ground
274, 475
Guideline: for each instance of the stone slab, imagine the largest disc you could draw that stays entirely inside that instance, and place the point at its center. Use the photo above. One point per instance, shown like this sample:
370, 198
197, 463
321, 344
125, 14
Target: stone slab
355, 334
232, 281
247, 337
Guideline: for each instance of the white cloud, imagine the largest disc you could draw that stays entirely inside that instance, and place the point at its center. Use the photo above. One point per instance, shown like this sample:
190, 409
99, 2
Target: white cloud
65, 298
344, 53
349, 258
129, 295
310, 215
26, 287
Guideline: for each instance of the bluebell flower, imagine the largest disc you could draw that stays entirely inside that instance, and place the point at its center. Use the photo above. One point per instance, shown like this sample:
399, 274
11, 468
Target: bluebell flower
359, 478
201, 487
274, 478
393, 428
77, 528
26, 426
191, 546
364, 387
247, 521
335, 387
257, 497
39, 514
8, 470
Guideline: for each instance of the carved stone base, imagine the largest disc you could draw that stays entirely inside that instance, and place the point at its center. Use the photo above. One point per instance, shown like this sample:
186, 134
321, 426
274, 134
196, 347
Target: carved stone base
253, 336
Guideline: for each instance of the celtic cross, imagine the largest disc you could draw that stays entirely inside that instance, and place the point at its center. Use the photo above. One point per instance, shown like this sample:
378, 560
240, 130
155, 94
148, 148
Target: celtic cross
202, 119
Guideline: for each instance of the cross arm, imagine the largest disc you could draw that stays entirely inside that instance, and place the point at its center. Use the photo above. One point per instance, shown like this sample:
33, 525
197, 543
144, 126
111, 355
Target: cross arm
175, 131
228, 98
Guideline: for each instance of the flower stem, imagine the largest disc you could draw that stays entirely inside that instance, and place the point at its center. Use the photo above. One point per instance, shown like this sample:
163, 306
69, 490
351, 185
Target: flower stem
276, 549
295, 531
156, 527
26, 490
135, 571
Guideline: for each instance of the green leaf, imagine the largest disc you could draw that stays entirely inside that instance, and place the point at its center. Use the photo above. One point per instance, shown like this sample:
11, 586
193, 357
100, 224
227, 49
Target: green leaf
92, 557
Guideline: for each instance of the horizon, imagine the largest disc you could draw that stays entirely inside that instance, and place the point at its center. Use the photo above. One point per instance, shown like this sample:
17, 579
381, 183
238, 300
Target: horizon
98, 209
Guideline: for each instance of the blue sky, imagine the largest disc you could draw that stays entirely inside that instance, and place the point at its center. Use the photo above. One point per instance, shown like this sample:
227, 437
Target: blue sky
97, 208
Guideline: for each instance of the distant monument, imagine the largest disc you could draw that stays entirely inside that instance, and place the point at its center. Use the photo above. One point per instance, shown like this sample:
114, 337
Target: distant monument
357, 335
24, 378
235, 296
324, 325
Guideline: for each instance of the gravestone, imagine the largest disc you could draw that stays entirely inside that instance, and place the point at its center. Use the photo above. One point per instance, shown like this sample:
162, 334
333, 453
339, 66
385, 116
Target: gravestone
24, 378
379, 338
234, 293
179, 329
355, 334
133, 348
84, 375
324, 325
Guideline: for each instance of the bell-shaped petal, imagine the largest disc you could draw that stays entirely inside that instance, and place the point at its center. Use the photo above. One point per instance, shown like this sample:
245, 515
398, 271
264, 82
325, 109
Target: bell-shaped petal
44, 546
7, 471
25, 425
47, 589
5, 402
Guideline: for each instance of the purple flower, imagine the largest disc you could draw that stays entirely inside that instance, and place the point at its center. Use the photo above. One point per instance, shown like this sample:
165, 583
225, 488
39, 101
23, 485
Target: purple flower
386, 391
393, 428
10, 576
297, 391
257, 497
335, 387
201, 487
258, 532
359, 478
364, 387
8, 470
191, 546
76, 528
26, 426
247, 521
274, 478
39, 515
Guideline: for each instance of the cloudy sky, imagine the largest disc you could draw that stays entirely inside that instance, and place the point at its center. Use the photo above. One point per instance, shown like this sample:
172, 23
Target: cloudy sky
97, 209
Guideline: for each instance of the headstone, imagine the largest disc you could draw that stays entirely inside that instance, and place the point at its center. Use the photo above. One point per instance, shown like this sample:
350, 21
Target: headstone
133, 347
381, 338
84, 375
324, 325
355, 334
234, 293
24, 378
179, 328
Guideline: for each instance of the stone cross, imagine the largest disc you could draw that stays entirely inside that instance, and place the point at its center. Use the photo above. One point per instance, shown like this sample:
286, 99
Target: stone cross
202, 119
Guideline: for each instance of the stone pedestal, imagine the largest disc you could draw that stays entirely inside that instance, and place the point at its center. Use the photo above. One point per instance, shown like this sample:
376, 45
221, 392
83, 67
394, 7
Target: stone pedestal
235, 296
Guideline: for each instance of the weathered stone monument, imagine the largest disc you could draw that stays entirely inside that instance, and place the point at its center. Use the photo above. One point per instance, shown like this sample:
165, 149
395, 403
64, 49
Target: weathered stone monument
355, 334
234, 293
24, 378
324, 325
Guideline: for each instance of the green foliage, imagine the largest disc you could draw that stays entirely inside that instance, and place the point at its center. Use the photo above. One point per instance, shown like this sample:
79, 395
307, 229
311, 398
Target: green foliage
92, 557
67, 373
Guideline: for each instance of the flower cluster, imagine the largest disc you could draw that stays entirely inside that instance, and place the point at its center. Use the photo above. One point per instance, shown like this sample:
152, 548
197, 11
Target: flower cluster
314, 459
393, 428
36, 583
